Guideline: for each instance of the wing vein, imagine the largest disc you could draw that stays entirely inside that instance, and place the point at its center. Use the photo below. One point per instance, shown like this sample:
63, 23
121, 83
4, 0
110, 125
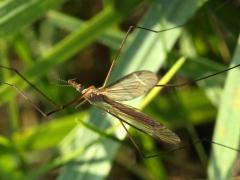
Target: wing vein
138, 120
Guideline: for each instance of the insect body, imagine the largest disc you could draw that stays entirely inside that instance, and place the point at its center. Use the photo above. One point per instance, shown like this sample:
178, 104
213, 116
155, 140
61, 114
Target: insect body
127, 88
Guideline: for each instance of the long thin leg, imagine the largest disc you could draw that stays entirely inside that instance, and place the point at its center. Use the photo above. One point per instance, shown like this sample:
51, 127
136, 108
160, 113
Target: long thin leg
130, 29
117, 55
25, 97
103, 133
132, 140
80, 104
31, 84
74, 101
137, 146
174, 149
58, 108
198, 79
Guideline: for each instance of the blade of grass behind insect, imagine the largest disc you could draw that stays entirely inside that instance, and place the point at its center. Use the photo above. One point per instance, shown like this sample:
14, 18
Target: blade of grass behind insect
227, 129
142, 53
69, 157
111, 38
164, 80
37, 138
16, 14
148, 142
22, 49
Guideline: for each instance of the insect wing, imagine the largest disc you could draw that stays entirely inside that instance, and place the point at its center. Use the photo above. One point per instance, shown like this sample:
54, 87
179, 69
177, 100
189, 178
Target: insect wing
139, 120
131, 86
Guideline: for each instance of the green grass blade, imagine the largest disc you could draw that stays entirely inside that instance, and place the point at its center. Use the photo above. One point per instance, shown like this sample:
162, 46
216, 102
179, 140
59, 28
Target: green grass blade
227, 130
16, 14
163, 81
22, 49
111, 38
37, 138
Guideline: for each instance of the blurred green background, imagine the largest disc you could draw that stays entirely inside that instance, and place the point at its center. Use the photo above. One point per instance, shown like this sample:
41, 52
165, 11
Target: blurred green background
59, 39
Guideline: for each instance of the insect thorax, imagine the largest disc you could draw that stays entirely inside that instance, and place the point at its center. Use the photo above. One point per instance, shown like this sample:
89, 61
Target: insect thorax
93, 94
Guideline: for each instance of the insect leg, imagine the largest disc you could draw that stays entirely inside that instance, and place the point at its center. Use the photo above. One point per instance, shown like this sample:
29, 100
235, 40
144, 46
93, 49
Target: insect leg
80, 104
25, 97
31, 84
58, 107
130, 29
75, 100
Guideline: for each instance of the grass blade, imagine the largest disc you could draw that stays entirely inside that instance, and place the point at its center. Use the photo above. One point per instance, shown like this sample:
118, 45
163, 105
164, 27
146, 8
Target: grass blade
16, 14
227, 130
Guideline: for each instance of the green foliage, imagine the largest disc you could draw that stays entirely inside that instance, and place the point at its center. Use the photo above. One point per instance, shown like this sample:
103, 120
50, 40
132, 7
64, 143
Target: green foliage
77, 40
227, 130
17, 14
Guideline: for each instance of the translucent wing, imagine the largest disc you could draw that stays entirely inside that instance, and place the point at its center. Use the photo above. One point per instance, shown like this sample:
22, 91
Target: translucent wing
131, 86
139, 120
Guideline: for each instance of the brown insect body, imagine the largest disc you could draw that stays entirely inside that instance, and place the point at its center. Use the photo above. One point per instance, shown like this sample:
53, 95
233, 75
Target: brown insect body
127, 88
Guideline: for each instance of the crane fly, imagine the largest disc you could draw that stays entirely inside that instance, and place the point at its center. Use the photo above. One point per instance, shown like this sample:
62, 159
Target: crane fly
109, 98
127, 88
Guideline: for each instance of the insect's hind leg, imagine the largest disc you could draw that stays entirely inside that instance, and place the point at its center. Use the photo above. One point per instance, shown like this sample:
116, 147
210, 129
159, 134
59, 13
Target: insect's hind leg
25, 97
173, 149
45, 114
31, 84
